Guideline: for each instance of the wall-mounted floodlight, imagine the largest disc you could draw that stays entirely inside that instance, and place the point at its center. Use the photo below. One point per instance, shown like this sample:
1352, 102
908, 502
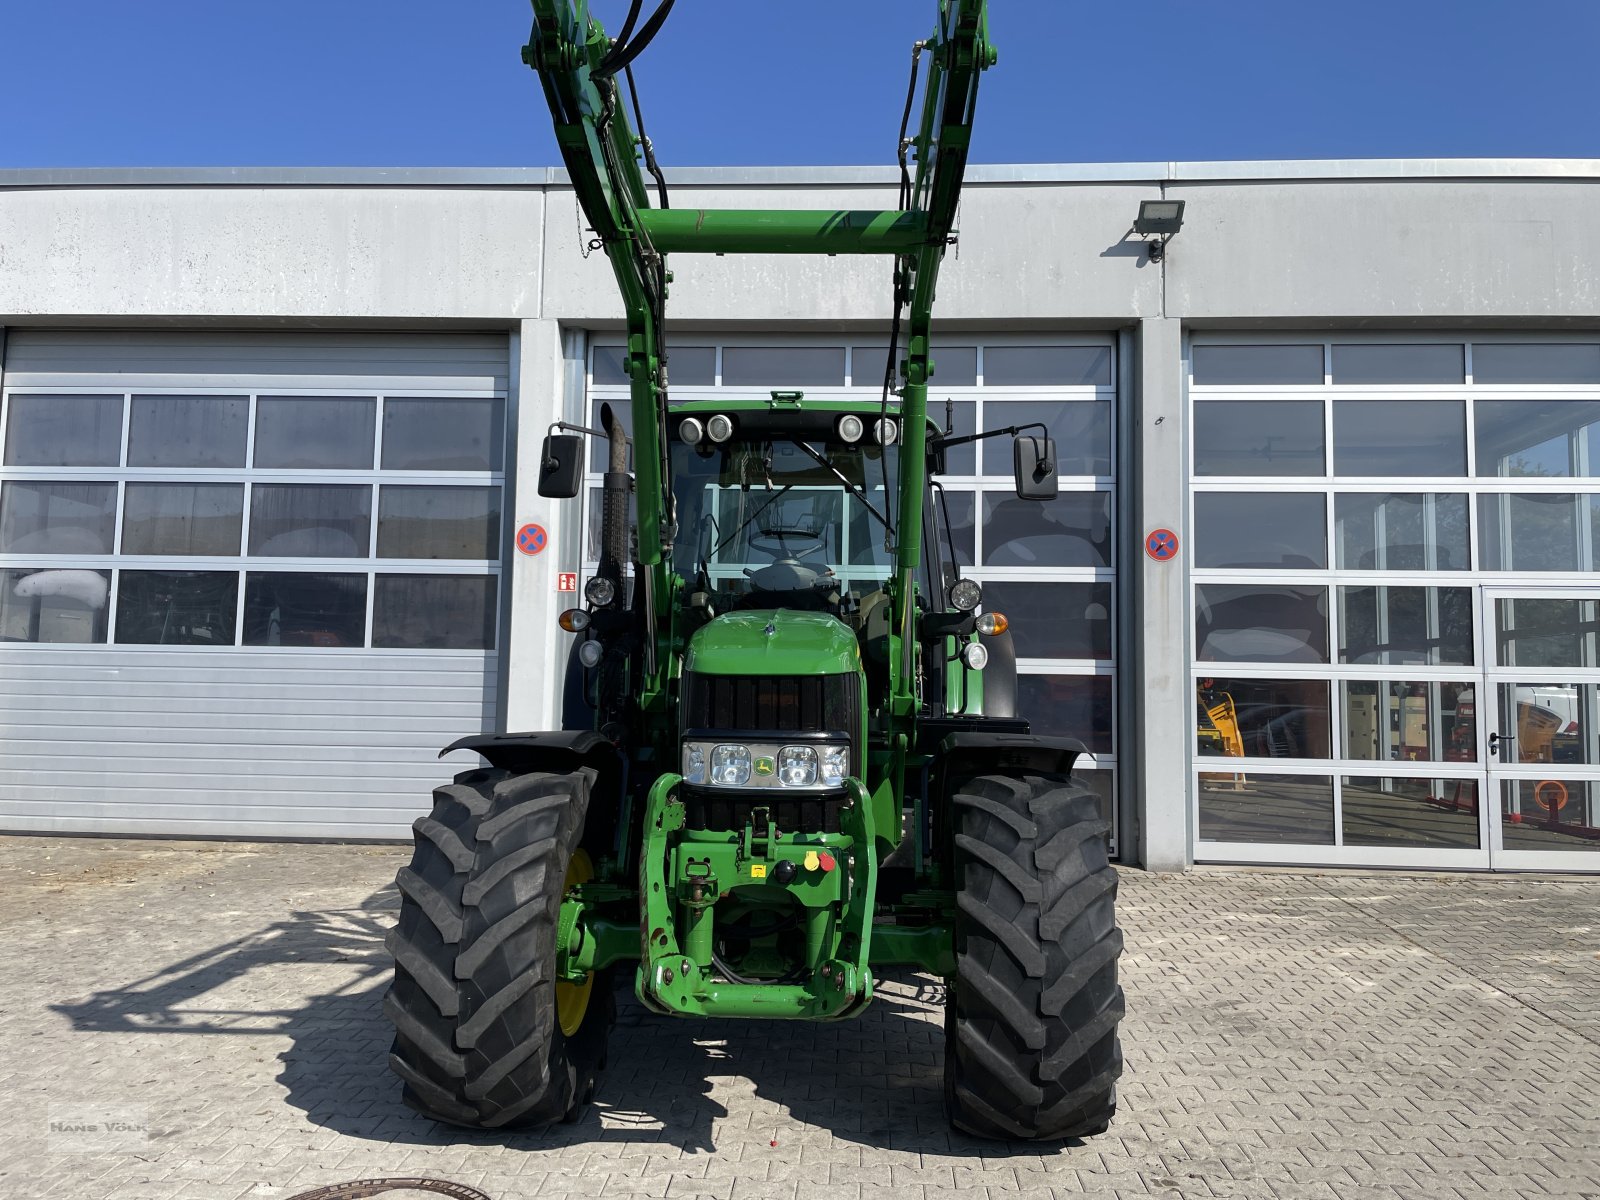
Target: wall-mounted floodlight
1159, 219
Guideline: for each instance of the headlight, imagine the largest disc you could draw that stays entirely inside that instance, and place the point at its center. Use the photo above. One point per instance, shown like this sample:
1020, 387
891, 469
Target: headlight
590, 653
689, 431
797, 766
730, 766
965, 595
975, 656
835, 764
816, 766
719, 428
886, 431
850, 428
694, 763
600, 591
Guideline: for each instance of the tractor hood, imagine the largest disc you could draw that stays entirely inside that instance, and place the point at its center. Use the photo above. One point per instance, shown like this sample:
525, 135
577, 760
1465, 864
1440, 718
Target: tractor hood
774, 642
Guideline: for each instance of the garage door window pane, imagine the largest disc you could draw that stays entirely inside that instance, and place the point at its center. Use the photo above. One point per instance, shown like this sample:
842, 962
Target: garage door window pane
1076, 706
64, 431
1528, 532
439, 522
177, 608
1376, 363
1081, 428
306, 520
284, 608
1237, 622
53, 605
1289, 809
1409, 721
315, 432
57, 518
188, 431
1399, 437
1262, 718
1555, 363
182, 518
433, 612
1073, 530
1556, 632
957, 509
1539, 439
1419, 625
1054, 620
1239, 529
783, 366
1257, 366
443, 435
1046, 366
963, 420
1401, 531
1404, 812
606, 368
1258, 437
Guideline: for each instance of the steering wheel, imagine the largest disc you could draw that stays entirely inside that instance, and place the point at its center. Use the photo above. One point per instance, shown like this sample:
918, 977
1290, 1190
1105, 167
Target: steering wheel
786, 573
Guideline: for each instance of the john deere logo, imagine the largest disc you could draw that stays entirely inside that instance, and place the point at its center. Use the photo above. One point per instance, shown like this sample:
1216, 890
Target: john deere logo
763, 766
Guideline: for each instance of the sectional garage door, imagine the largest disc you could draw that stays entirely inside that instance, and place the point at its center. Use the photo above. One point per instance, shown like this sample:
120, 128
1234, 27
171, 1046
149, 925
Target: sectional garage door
249, 582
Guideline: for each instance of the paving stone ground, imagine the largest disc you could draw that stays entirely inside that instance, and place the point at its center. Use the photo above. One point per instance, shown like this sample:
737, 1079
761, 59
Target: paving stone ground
1340, 1036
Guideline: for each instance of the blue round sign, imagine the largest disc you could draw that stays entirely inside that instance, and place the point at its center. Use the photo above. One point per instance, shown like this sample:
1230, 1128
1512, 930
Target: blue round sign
1161, 544
532, 538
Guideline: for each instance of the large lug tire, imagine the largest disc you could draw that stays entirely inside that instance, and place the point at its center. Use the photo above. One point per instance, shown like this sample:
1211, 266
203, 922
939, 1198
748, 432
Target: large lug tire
478, 1014
1031, 1048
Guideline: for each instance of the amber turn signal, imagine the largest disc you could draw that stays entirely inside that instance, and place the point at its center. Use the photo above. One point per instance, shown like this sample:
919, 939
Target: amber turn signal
993, 622
574, 620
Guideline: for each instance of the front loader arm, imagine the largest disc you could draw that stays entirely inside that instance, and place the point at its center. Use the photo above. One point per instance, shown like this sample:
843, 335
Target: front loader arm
575, 61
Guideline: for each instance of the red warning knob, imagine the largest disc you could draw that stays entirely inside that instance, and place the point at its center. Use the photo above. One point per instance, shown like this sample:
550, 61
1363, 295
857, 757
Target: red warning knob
826, 861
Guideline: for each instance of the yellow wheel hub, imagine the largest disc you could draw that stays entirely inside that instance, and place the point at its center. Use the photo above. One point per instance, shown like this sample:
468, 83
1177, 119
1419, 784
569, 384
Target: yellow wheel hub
572, 999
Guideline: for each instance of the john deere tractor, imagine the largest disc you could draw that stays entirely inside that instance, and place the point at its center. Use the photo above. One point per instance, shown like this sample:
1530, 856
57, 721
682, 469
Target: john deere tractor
791, 757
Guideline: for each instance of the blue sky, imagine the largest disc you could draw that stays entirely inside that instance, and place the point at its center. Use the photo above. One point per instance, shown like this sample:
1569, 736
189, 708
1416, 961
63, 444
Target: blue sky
406, 83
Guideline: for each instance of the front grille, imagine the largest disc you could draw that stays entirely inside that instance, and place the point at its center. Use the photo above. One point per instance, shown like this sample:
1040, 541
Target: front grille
745, 706
759, 704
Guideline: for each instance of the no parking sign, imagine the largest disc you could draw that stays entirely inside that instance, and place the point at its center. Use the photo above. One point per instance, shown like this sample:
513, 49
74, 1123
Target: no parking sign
1161, 544
531, 539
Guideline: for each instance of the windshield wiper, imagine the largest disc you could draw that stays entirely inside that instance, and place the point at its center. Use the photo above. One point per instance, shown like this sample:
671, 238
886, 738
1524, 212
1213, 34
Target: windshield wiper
856, 490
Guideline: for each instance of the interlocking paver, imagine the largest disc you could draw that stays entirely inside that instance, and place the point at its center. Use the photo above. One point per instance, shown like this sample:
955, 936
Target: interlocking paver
1342, 1036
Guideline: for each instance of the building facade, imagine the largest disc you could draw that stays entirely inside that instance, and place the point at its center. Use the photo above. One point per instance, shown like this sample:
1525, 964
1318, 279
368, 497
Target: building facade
1319, 587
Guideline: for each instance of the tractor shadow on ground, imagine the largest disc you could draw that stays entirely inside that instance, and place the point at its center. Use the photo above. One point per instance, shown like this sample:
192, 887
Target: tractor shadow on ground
876, 1080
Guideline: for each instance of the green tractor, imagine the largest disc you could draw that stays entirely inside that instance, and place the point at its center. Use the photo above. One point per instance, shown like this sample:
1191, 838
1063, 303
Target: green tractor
791, 756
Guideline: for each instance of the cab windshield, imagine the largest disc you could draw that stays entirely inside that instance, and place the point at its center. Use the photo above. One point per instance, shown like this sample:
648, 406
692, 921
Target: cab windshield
783, 522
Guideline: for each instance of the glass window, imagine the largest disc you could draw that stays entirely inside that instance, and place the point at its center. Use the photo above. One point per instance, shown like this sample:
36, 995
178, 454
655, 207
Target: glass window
1552, 722
1377, 363
1400, 531
1054, 620
315, 432
1528, 532
188, 431
1046, 366
434, 612
1081, 429
1243, 622
1259, 437
958, 506
64, 431
1550, 814
1538, 439
57, 518
1076, 706
1416, 625
297, 608
177, 608
1262, 718
439, 522
607, 369
953, 366
1399, 812
310, 520
1073, 530
691, 366
52, 605
1248, 529
182, 518
783, 366
1494, 362
1407, 721
1556, 631
1256, 366
963, 420
1288, 809
1399, 437
443, 435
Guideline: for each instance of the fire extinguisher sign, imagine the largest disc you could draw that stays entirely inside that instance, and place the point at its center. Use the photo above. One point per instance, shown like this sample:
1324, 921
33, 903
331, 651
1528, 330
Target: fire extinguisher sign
567, 581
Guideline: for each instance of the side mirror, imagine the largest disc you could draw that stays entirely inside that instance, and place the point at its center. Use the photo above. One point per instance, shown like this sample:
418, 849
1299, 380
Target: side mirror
561, 466
1034, 459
